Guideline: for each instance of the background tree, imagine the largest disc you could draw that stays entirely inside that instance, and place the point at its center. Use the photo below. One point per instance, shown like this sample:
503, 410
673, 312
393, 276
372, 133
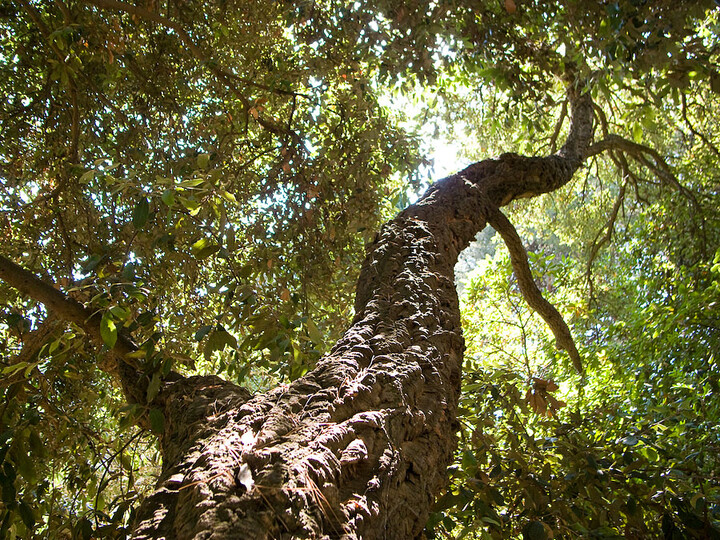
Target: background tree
199, 180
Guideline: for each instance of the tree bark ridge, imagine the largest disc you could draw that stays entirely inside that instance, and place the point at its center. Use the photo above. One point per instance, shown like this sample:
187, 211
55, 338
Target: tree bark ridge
358, 447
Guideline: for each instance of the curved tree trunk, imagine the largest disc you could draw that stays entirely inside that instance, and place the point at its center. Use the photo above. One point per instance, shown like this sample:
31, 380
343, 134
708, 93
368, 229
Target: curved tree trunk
359, 447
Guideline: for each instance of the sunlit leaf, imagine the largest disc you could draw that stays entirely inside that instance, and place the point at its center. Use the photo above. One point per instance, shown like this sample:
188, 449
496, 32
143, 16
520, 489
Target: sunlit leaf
108, 330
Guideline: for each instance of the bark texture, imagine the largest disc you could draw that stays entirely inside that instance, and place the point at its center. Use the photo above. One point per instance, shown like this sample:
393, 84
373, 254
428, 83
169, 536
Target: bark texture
359, 447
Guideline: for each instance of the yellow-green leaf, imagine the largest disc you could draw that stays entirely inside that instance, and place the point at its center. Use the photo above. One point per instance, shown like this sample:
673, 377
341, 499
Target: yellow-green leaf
108, 330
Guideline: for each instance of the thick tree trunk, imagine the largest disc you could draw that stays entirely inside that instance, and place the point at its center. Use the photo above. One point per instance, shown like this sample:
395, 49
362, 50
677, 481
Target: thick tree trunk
357, 448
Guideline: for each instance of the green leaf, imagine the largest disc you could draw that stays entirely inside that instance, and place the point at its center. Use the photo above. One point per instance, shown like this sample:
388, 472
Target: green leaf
126, 462
637, 133
26, 514
108, 330
141, 213
91, 263
191, 205
204, 331
87, 177
228, 196
314, 332
14, 368
204, 247
203, 160
120, 313
85, 529
8, 490
153, 387
157, 420
535, 530
191, 182
168, 197
217, 342
630, 440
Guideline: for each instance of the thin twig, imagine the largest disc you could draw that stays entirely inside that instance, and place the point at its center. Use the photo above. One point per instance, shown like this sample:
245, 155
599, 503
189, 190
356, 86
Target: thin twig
694, 131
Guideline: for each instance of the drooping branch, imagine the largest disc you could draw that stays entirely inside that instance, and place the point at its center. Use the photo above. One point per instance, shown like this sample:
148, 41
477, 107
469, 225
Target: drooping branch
651, 159
641, 153
530, 291
693, 129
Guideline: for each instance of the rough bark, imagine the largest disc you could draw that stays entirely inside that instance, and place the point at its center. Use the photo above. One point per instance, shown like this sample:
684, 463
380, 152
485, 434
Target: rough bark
359, 447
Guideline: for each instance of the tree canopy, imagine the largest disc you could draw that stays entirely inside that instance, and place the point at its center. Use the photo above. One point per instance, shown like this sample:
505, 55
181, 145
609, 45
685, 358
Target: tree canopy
202, 179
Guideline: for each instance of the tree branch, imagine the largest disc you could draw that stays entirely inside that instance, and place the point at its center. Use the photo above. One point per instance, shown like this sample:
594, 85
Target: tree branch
694, 131
609, 229
530, 291
581, 129
63, 307
649, 158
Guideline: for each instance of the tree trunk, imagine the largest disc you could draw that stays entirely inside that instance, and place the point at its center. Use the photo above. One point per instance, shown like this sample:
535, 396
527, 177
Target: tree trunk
359, 447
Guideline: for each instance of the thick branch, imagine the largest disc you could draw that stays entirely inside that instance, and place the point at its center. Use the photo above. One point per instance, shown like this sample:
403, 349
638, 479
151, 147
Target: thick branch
63, 307
530, 291
581, 129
